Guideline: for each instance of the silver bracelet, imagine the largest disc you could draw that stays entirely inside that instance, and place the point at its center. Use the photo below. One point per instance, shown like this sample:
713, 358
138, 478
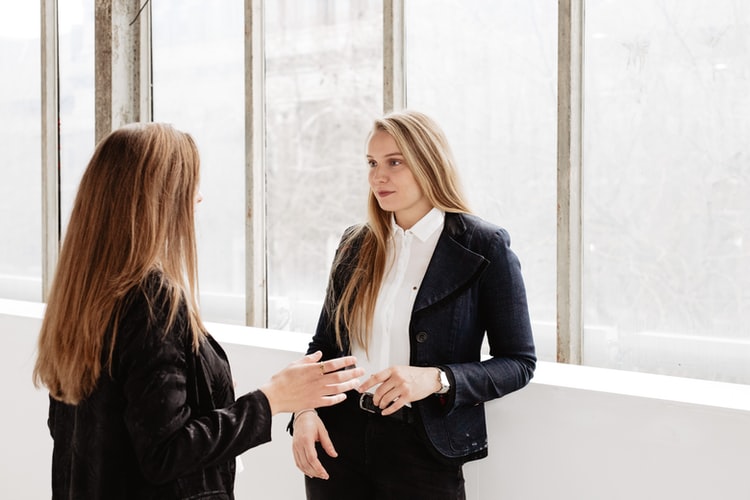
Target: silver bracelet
296, 415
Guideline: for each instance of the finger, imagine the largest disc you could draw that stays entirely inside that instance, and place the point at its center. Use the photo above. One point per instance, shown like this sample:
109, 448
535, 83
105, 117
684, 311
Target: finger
345, 376
366, 385
373, 380
310, 358
342, 386
330, 400
395, 406
391, 400
339, 363
327, 444
384, 395
314, 468
298, 459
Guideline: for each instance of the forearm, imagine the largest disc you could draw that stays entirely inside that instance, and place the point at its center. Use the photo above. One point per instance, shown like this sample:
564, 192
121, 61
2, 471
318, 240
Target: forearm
211, 439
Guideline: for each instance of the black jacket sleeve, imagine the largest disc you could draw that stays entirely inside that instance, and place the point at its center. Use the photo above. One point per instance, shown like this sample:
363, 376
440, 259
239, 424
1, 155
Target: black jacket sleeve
171, 435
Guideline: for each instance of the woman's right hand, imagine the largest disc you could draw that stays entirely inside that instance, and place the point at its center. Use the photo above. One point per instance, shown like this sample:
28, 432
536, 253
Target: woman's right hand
307, 383
308, 430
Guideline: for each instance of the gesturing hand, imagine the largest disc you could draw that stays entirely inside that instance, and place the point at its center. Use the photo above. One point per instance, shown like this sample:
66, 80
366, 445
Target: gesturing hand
306, 383
400, 385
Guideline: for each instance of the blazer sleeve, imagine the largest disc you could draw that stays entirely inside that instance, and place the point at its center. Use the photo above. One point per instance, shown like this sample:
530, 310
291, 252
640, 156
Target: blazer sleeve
504, 316
168, 437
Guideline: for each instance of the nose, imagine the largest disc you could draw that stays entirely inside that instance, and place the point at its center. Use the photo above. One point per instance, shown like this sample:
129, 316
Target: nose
377, 174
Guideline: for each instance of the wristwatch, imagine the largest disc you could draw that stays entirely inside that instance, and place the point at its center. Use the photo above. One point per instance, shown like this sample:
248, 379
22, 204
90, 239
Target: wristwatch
445, 384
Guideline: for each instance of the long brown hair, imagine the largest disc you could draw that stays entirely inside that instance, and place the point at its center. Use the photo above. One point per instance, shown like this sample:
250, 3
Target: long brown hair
133, 215
425, 149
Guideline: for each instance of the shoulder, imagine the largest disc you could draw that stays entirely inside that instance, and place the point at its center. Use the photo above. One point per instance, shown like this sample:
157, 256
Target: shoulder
145, 313
355, 233
352, 240
473, 231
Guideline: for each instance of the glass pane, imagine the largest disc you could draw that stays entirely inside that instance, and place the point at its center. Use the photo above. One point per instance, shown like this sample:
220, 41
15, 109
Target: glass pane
666, 184
486, 70
323, 89
20, 170
198, 73
76, 53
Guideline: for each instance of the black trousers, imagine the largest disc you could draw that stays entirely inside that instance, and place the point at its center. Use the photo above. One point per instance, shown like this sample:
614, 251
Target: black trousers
380, 458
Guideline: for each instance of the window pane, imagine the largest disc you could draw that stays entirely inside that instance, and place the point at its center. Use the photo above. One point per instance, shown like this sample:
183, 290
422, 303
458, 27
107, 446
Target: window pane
666, 183
77, 136
198, 74
486, 70
21, 188
323, 89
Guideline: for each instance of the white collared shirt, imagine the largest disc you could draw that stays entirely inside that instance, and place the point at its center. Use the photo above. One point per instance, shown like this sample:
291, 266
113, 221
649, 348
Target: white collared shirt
408, 255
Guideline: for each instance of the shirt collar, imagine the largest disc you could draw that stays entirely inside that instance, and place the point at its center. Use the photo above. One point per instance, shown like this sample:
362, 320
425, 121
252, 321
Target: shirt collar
425, 227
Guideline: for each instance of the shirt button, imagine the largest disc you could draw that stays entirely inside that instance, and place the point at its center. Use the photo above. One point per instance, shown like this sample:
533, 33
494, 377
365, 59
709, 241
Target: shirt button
422, 337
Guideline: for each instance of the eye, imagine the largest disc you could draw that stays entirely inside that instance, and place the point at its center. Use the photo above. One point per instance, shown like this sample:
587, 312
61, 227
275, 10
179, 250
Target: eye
371, 163
395, 162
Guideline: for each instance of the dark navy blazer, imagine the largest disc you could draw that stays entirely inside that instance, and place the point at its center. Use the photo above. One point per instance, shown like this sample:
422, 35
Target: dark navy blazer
472, 288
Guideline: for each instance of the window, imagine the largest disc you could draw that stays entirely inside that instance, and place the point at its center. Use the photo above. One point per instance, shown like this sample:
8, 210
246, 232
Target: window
665, 205
21, 189
666, 188
487, 72
323, 90
76, 74
198, 85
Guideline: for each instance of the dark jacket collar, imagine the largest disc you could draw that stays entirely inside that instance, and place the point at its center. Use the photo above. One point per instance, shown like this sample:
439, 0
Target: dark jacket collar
453, 264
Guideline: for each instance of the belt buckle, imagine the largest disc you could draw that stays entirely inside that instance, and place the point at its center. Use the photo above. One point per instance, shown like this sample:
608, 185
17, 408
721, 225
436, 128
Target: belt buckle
366, 403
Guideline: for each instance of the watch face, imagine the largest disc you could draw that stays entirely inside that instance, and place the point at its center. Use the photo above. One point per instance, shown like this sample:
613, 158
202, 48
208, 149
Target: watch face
444, 383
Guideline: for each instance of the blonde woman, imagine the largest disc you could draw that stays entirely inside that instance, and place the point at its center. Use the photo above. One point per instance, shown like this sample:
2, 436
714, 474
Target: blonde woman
413, 293
141, 396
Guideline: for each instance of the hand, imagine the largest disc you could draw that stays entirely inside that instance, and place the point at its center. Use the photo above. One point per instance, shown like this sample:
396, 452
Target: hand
309, 384
308, 430
400, 385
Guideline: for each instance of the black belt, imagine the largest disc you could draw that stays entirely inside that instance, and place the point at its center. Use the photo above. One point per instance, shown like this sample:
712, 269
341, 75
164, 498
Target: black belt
404, 414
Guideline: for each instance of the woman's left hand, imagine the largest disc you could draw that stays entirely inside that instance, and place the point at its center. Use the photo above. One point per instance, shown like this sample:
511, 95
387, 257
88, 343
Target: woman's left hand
400, 385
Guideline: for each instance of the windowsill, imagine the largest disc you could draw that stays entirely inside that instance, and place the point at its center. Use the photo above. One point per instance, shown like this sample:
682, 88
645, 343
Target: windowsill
586, 378
645, 385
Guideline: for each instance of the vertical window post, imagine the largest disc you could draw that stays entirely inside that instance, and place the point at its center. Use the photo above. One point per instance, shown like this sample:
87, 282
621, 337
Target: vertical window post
118, 64
255, 175
394, 76
569, 166
50, 145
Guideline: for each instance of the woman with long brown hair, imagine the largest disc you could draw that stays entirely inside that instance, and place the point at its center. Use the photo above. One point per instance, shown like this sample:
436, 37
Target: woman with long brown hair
142, 402
413, 293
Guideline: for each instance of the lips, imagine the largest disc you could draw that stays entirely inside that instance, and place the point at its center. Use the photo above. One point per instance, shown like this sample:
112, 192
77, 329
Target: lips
383, 194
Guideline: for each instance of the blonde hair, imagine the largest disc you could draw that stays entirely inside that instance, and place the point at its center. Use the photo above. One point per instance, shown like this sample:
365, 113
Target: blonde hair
428, 156
133, 215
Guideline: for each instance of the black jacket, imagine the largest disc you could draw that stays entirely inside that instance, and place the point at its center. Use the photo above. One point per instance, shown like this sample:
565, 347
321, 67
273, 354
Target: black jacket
472, 288
164, 425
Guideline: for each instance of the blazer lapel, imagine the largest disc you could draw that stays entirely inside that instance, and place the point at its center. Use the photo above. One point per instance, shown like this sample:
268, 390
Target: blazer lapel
452, 266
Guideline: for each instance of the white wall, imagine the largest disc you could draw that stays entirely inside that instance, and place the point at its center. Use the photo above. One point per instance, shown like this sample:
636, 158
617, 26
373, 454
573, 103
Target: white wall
575, 433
